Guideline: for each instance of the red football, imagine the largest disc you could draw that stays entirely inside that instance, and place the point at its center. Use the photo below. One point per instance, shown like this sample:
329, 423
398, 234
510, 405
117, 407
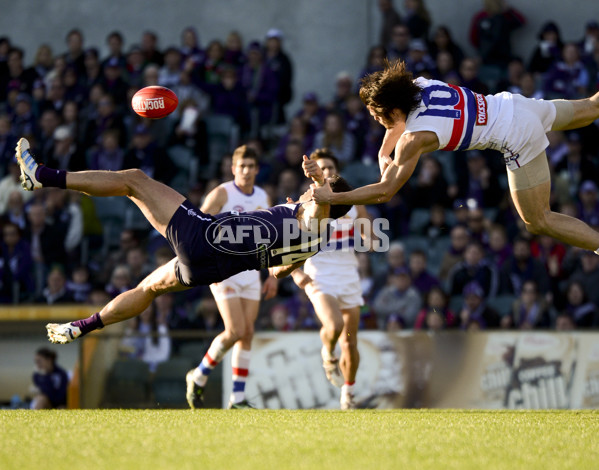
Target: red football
154, 102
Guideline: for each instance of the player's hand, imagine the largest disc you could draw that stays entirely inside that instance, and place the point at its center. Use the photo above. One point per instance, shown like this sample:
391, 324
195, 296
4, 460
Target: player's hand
312, 170
384, 162
270, 287
321, 194
289, 200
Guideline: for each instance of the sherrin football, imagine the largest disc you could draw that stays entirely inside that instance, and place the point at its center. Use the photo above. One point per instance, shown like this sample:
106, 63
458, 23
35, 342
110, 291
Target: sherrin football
154, 102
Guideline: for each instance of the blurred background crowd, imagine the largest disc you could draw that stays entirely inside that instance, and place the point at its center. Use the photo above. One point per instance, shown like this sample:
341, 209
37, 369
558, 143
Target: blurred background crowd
460, 256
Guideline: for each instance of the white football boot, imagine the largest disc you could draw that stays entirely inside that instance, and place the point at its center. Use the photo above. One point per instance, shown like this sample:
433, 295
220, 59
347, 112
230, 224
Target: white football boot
63, 333
28, 166
348, 402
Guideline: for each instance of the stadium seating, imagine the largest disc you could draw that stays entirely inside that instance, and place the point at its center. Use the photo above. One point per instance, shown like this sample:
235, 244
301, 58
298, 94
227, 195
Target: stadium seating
169, 382
128, 384
194, 351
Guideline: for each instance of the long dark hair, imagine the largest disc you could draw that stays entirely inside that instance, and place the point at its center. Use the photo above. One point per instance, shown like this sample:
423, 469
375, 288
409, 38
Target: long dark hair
390, 89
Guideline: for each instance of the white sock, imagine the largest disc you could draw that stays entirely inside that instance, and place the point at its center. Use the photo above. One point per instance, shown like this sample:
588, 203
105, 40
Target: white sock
347, 389
240, 365
215, 354
597, 251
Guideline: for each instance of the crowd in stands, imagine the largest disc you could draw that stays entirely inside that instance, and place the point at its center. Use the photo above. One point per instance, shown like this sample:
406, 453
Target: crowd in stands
460, 256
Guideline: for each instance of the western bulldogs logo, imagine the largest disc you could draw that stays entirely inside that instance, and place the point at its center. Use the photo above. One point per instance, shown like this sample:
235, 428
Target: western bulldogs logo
481, 110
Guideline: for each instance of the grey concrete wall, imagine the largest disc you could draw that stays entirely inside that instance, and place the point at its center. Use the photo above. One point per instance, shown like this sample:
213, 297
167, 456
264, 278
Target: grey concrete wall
322, 36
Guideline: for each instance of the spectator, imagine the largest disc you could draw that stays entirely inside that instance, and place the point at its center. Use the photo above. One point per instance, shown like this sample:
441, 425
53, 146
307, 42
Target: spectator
113, 83
529, 310
578, 307
336, 138
147, 338
137, 262
65, 154
567, 78
120, 281
399, 298
45, 238
297, 131
15, 211
490, 33
109, 155
469, 78
127, 241
522, 267
436, 314
149, 47
44, 60
564, 322
55, 291
357, 123
515, 71
443, 42
8, 141
93, 68
135, 66
343, 90
477, 225
548, 50
394, 258
588, 207
446, 68
74, 55
374, 62
50, 382
262, 87
104, 117
400, 43
366, 275
422, 280
437, 227
79, 284
16, 257
587, 275
417, 19
552, 253
24, 120
234, 54
589, 42
190, 131
214, 63
419, 62
278, 61
499, 247
148, 156
577, 166
475, 314
312, 113
430, 186
478, 183
460, 238
474, 268
390, 18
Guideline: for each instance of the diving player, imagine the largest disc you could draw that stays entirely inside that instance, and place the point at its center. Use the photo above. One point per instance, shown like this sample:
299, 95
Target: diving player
238, 297
426, 115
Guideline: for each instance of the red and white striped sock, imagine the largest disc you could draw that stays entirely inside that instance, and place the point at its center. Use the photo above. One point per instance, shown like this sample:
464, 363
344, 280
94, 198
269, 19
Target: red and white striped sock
213, 356
240, 363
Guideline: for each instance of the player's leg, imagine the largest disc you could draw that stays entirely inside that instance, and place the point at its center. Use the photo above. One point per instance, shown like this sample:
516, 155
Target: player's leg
330, 316
573, 114
157, 201
229, 307
530, 187
350, 357
124, 306
241, 354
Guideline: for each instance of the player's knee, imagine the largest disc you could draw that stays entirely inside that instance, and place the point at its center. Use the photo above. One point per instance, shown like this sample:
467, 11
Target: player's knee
348, 344
134, 177
334, 327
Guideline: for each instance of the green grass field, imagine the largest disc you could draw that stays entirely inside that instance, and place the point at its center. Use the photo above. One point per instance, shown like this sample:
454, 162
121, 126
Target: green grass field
260, 439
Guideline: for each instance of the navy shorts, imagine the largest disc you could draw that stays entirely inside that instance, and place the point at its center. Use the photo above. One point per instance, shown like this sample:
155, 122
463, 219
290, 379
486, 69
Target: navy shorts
197, 261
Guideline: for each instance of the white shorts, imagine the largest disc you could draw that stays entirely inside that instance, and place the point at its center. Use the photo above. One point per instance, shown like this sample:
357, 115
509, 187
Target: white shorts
245, 285
527, 137
348, 294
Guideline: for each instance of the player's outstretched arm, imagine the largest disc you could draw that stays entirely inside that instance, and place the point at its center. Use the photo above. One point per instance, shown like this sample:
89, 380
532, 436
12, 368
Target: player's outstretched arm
407, 153
389, 143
